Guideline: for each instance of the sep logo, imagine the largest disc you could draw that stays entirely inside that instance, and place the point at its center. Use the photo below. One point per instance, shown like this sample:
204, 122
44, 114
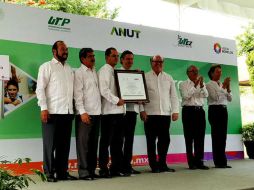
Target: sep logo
58, 23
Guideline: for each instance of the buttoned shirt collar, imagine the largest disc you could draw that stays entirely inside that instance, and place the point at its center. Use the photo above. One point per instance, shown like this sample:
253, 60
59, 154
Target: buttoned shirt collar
87, 68
55, 61
156, 74
109, 66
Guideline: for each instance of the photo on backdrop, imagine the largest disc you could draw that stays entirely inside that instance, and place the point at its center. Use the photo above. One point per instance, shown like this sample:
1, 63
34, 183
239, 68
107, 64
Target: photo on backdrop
18, 90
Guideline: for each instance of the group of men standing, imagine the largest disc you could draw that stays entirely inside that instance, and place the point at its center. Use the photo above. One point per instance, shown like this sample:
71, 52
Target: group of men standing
97, 107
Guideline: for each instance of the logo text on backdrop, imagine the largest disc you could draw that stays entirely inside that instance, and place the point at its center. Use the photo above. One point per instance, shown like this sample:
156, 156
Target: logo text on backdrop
125, 32
59, 24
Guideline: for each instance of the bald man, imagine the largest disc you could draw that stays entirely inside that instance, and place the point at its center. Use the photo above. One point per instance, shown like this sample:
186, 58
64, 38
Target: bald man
158, 113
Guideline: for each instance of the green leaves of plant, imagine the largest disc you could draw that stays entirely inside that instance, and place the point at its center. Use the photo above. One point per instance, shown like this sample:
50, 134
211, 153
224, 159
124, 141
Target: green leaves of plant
10, 181
248, 132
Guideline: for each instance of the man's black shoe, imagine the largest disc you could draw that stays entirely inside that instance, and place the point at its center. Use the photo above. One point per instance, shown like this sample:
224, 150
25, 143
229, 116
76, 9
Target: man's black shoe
155, 170
223, 166
51, 179
94, 175
120, 174
135, 171
67, 177
89, 177
192, 167
166, 169
203, 167
104, 174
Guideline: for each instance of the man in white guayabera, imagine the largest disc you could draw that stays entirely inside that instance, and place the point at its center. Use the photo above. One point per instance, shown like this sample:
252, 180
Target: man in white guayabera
55, 98
158, 113
88, 106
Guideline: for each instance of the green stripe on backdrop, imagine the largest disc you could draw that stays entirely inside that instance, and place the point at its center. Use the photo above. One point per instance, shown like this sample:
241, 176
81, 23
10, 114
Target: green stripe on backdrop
24, 122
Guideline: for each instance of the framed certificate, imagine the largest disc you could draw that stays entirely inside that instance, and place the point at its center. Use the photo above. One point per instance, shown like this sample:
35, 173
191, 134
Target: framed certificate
131, 86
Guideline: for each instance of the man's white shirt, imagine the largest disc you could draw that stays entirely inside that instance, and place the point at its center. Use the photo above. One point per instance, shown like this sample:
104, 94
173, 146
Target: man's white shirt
217, 95
192, 96
162, 94
55, 87
86, 91
108, 91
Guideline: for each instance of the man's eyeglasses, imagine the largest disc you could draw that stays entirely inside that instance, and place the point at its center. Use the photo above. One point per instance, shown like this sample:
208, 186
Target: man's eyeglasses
160, 62
193, 71
114, 56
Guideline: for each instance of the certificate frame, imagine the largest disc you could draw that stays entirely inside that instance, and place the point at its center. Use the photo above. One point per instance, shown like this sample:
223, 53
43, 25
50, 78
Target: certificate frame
131, 86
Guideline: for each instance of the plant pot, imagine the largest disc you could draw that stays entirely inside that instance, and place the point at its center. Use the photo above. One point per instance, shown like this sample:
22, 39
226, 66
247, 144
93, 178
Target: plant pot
249, 148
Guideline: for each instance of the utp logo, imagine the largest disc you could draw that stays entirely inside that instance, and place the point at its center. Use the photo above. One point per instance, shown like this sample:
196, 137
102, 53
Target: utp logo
59, 23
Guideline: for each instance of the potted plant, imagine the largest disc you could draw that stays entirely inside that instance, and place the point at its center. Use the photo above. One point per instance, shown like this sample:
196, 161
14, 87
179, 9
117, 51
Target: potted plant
248, 139
10, 180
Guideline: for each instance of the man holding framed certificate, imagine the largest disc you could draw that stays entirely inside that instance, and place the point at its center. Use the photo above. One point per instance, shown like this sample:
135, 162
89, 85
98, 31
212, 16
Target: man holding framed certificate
112, 119
130, 119
157, 114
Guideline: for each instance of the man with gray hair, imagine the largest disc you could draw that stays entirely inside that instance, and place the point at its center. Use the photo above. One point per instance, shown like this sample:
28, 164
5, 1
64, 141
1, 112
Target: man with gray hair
157, 114
193, 92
